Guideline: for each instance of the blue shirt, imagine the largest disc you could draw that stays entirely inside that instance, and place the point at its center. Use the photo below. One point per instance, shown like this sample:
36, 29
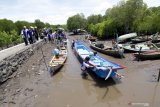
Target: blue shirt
55, 51
24, 33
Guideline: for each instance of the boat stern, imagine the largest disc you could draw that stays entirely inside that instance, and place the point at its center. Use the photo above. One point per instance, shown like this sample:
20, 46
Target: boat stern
106, 73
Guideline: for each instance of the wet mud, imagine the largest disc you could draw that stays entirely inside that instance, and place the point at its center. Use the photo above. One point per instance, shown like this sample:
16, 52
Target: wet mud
32, 85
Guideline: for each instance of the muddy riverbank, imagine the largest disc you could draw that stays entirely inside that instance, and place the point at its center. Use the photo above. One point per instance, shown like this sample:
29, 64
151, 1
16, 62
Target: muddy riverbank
32, 86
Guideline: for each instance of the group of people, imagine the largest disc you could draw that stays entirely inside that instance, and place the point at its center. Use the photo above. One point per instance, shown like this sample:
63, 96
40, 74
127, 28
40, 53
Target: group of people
30, 35
56, 36
59, 39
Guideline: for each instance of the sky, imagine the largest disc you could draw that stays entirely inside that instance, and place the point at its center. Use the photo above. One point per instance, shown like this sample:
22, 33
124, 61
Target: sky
56, 11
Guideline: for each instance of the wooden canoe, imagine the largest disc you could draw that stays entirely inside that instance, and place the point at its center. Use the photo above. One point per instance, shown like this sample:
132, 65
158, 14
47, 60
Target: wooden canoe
148, 55
136, 47
56, 63
107, 50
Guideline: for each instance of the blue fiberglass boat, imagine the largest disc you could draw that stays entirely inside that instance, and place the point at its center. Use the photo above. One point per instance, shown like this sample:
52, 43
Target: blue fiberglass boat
104, 68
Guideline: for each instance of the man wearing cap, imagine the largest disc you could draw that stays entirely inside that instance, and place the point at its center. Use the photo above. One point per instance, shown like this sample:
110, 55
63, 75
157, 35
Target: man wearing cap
24, 35
30, 35
36, 33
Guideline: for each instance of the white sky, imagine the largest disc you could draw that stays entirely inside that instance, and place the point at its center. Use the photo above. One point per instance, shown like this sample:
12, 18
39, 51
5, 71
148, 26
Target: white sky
55, 11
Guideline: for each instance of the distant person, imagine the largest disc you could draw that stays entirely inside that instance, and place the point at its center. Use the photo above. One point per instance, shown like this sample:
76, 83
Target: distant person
73, 44
24, 35
30, 35
121, 52
113, 42
36, 33
49, 35
45, 32
33, 35
53, 37
59, 38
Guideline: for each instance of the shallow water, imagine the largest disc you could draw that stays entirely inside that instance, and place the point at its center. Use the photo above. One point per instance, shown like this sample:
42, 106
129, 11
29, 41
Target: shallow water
69, 89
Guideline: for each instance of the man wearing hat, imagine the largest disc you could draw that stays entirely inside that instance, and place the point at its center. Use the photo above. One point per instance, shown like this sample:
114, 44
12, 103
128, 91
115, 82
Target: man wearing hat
30, 35
24, 35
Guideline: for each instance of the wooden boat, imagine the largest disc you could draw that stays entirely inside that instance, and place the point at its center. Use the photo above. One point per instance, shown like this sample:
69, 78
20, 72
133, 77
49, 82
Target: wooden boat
126, 36
157, 45
92, 38
139, 40
57, 62
156, 40
148, 55
102, 67
136, 47
107, 50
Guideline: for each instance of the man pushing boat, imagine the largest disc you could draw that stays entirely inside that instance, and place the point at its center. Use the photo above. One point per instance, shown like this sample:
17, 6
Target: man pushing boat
86, 64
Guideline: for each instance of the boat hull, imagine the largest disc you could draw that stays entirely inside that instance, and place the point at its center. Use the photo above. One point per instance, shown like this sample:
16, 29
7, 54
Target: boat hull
148, 55
100, 71
56, 63
127, 36
136, 47
114, 53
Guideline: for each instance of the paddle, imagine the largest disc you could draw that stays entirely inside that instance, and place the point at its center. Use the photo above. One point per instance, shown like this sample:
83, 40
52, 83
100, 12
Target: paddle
110, 71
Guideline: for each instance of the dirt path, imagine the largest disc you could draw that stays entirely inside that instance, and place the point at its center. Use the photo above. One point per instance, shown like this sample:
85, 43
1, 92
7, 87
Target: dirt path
27, 81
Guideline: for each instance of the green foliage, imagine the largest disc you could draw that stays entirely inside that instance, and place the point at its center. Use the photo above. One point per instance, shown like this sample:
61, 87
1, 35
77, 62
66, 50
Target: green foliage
92, 29
40, 24
20, 25
15, 38
127, 13
127, 16
104, 29
76, 22
151, 21
5, 39
10, 32
94, 19
47, 25
2, 40
7, 25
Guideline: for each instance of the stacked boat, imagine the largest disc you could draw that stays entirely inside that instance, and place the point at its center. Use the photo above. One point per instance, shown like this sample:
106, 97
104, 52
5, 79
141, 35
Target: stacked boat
124, 38
140, 39
142, 47
102, 67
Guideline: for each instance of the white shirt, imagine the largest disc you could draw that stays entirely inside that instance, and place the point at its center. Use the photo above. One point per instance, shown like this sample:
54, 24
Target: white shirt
84, 66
